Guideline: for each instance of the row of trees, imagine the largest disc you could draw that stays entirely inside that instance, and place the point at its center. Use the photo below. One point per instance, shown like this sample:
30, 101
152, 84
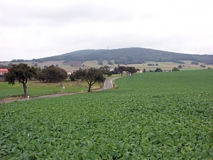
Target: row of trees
160, 70
22, 73
52, 74
121, 69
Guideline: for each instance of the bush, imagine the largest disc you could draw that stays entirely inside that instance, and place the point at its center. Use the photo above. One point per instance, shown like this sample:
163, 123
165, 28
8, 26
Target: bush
175, 69
158, 70
52, 74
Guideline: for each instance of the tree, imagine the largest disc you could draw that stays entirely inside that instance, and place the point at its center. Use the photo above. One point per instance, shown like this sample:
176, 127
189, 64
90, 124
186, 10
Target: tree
91, 76
52, 74
179, 66
21, 72
131, 69
121, 69
106, 70
203, 66
115, 70
175, 69
158, 70
194, 62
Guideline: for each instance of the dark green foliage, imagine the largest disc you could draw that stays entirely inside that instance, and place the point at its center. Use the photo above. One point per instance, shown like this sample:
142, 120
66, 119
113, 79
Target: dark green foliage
21, 72
129, 56
150, 64
158, 70
150, 116
106, 70
52, 74
131, 69
121, 69
115, 71
180, 66
144, 70
72, 77
91, 76
175, 69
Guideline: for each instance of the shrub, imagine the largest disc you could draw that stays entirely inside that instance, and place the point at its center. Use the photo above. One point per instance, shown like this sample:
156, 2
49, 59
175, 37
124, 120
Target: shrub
175, 69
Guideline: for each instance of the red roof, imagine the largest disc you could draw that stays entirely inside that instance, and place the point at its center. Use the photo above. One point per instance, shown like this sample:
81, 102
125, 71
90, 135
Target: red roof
3, 70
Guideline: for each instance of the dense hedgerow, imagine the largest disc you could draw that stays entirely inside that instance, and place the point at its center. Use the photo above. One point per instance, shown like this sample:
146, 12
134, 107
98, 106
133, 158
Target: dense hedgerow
149, 116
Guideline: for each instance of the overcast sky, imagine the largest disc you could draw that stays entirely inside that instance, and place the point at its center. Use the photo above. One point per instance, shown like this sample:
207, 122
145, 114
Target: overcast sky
41, 28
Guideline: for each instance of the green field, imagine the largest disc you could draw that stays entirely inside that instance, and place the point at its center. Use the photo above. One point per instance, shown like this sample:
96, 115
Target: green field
36, 88
150, 116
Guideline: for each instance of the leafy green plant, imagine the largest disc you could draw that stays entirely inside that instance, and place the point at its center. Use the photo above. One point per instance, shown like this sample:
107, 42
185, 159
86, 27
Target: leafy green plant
150, 116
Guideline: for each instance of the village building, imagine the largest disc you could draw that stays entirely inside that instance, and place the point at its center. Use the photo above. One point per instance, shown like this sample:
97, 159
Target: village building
3, 71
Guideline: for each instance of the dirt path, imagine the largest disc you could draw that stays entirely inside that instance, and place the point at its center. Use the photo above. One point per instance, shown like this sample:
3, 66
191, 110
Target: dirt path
107, 85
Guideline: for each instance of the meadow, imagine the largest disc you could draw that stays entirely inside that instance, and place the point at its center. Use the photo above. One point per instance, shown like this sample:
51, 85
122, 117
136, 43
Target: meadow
149, 116
36, 88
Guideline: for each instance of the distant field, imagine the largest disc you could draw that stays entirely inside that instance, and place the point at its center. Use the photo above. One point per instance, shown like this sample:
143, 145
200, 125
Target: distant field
150, 116
162, 65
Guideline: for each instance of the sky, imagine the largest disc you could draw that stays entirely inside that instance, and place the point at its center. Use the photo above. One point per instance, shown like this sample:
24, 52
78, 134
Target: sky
41, 28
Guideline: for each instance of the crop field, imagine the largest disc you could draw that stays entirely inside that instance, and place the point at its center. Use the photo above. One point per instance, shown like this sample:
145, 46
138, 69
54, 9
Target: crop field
163, 65
149, 116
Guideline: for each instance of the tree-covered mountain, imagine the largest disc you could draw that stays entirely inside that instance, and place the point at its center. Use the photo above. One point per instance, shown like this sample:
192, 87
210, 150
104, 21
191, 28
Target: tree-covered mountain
128, 56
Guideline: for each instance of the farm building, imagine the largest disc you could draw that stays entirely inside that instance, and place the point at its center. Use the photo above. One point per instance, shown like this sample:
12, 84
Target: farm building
3, 71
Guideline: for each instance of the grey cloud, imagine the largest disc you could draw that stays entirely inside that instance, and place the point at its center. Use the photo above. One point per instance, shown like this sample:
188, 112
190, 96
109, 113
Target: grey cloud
84, 13
22, 15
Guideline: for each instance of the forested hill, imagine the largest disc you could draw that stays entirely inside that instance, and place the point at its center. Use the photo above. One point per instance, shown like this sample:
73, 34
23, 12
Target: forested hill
128, 56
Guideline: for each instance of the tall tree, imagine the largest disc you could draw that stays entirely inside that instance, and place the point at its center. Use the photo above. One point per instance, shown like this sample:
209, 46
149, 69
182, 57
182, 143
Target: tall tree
21, 72
52, 74
158, 70
131, 69
106, 70
91, 76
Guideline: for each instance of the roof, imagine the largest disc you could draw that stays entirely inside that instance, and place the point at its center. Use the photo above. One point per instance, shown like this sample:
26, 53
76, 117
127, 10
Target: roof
4, 70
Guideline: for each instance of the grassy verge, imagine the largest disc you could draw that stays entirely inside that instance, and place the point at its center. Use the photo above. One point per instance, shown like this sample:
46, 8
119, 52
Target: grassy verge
36, 88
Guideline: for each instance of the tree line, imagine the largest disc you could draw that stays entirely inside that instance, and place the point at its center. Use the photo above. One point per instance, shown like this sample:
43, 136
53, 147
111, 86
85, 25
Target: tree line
22, 73
52, 74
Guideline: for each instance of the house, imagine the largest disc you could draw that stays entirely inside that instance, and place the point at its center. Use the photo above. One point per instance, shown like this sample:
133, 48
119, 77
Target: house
3, 71
69, 73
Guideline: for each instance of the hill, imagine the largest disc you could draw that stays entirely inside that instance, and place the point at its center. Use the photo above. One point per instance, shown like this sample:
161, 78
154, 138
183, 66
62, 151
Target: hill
126, 56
